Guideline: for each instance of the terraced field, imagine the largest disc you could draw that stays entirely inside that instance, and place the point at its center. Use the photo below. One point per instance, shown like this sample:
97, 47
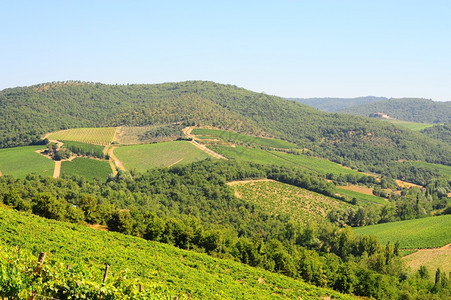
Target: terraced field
280, 198
243, 138
144, 157
97, 136
87, 168
21, 161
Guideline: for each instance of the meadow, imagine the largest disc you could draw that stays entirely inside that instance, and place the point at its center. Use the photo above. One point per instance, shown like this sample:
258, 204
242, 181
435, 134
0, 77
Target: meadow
422, 233
180, 272
21, 161
87, 168
280, 198
97, 136
147, 156
243, 138
362, 199
411, 125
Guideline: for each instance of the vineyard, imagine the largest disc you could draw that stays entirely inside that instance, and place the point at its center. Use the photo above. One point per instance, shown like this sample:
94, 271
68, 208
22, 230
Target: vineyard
234, 137
87, 168
144, 157
163, 270
279, 198
96, 136
362, 199
21, 161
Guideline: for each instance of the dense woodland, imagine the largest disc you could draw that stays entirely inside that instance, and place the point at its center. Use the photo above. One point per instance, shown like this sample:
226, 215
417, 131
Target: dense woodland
407, 109
336, 104
191, 207
26, 113
440, 132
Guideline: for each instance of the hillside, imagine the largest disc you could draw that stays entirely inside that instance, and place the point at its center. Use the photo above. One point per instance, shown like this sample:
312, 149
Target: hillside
336, 104
440, 132
161, 268
26, 113
407, 109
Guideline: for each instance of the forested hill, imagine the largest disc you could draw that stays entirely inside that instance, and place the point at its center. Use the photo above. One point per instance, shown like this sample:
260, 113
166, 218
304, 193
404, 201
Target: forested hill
336, 104
28, 112
407, 109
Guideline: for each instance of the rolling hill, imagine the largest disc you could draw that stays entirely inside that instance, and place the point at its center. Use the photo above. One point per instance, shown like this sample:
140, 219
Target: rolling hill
29, 112
336, 104
407, 109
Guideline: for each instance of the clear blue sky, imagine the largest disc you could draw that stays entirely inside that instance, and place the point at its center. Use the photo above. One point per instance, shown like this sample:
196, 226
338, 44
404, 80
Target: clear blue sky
299, 48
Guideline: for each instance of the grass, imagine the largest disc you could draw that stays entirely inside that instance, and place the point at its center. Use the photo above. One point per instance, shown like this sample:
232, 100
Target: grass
446, 170
362, 199
181, 271
411, 125
21, 161
87, 168
243, 138
278, 158
280, 198
96, 136
144, 157
422, 233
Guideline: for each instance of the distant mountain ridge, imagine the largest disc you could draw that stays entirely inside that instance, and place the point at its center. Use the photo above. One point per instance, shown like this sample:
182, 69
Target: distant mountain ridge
407, 109
335, 104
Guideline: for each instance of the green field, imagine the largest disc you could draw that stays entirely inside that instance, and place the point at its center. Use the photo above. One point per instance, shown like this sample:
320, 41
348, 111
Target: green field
422, 233
85, 149
411, 125
87, 168
446, 170
144, 157
280, 198
283, 159
96, 136
180, 271
362, 199
21, 161
238, 137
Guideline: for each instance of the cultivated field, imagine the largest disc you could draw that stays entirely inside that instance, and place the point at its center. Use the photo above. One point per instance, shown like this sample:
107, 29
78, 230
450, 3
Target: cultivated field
362, 198
151, 263
243, 138
87, 168
411, 125
96, 136
278, 158
431, 232
144, 157
446, 170
280, 198
432, 259
21, 161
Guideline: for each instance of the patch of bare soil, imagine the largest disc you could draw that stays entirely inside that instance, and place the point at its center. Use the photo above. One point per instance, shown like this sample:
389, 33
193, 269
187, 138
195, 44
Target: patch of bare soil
98, 227
407, 184
118, 164
360, 189
231, 183
57, 170
1, 174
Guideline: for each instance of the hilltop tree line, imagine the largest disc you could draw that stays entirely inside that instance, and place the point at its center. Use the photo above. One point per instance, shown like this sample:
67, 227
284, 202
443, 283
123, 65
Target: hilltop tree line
191, 207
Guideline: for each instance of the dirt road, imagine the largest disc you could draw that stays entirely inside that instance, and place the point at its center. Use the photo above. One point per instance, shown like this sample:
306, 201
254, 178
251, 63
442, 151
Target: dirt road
57, 171
117, 163
187, 132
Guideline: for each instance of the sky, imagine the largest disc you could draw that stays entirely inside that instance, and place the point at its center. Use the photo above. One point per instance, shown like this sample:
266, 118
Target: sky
287, 48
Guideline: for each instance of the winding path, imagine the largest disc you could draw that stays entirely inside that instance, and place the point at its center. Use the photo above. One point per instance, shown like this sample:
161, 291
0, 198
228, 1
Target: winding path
117, 163
187, 132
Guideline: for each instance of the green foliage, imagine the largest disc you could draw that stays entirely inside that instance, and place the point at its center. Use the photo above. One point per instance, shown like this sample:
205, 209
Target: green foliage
21, 161
85, 149
440, 132
411, 125
421, 233
335, 104
144, 157
407, 109
87, 168
362, 199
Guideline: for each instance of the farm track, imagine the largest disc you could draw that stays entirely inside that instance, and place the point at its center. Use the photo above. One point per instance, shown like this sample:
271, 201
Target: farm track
57, 171
117, 163
187, 132
175, 163
1, 174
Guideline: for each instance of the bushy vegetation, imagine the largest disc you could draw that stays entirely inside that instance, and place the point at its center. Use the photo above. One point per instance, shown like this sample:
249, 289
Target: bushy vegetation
441, 132
191, 207
407, 109
85, 149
